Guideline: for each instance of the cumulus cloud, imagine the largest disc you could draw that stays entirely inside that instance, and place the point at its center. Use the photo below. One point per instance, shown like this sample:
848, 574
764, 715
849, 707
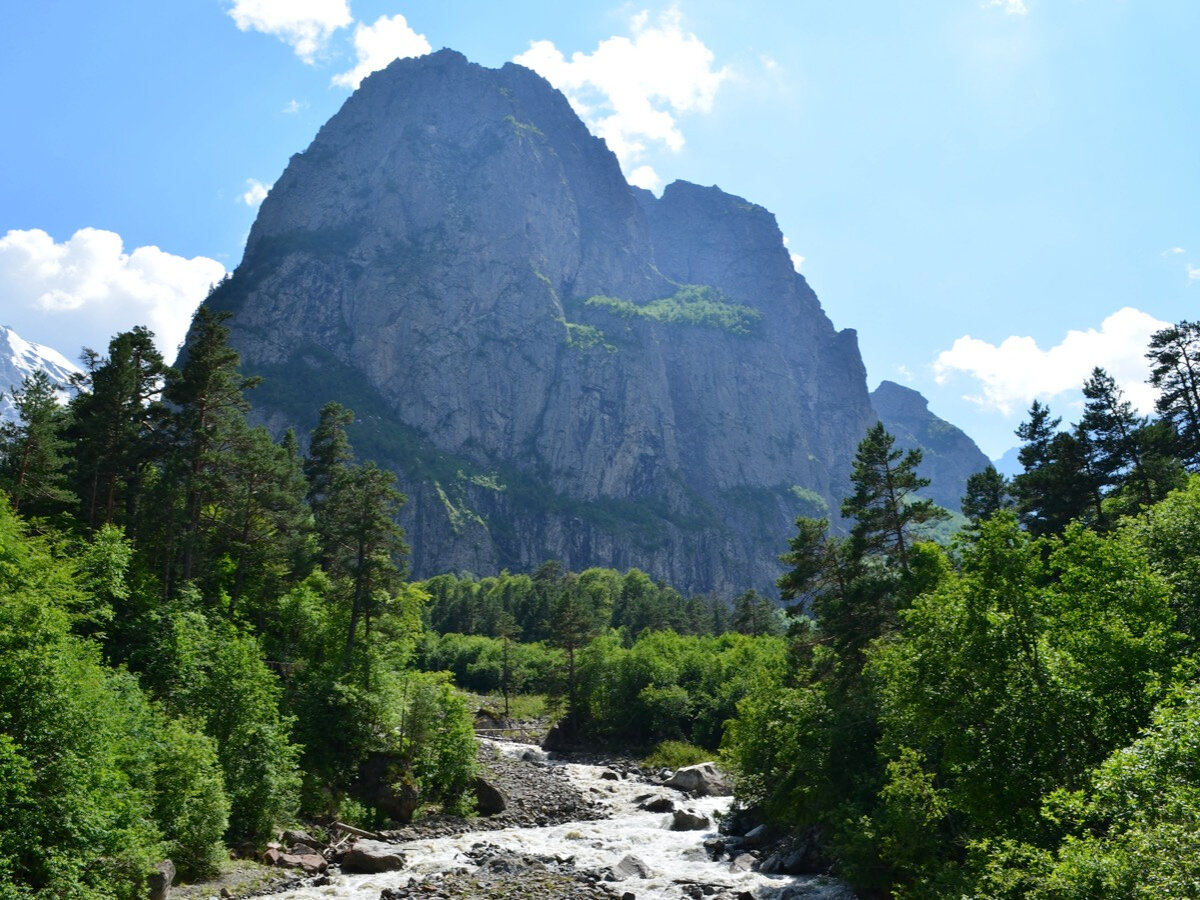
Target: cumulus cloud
1015, 372
1011, 7
1193, 272
306, 25
797, 259
377, 45
630, 89
645, 177
84, 290
256, 192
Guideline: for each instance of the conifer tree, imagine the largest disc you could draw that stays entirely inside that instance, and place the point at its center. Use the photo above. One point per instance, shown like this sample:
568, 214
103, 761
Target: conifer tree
33, 458
987, 494
1174, 357
886, 512
117, 427
207, 394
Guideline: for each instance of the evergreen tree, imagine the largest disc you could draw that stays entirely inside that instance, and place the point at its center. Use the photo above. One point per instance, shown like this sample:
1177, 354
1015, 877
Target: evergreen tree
1058, 484
329, 458
117, 427
207, 394
33, 460
1113, 430
987, 494
572, 624
1174, 357
884, 506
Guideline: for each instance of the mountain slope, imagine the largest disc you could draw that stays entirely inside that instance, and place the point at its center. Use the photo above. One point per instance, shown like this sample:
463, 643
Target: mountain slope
18, 358
556, 365
948, 456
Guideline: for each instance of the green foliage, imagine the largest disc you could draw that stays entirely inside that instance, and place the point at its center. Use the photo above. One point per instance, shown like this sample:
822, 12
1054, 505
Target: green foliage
676, 755
192, 808
587, 337
692, 304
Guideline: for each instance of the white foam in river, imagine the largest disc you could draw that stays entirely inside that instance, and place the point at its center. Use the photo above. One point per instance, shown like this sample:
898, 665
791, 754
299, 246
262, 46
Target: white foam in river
670, 855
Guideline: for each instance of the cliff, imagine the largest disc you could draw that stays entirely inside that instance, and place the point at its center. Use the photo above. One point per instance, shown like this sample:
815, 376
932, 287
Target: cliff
557, 365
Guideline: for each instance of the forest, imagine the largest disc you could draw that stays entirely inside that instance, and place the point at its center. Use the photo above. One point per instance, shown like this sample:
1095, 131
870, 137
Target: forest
206, 633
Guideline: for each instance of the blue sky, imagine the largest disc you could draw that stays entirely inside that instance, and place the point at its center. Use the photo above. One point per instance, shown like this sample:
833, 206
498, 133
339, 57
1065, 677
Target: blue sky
997, 194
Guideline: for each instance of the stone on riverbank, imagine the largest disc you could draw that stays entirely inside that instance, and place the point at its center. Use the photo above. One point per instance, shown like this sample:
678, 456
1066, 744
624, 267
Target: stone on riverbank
703, 779
371, 857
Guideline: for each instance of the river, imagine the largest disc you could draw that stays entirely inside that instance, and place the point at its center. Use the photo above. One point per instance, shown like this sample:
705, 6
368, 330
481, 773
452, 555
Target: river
676, 859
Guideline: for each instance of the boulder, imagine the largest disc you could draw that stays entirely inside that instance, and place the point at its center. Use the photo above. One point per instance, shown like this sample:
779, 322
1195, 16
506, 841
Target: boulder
689, 820
160, 880
703, 779
371, 857
489, 799
743, 862
308, 862
628, 867
658, 805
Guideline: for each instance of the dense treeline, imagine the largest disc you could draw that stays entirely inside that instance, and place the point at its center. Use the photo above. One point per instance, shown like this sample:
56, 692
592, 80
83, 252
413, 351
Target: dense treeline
205, 633
1013, 716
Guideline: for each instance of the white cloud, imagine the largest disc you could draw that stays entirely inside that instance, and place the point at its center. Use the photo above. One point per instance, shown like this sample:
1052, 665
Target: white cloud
294, 106
1017, 371
629, 90
645, 177
797, 259
1173, 251
379, 44
1193, 272
304, 24
84, 290
1011, 7
905, 374
255, 193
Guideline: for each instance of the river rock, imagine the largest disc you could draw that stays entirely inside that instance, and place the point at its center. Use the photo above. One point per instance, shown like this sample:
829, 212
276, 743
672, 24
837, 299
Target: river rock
658, 805
160, 880
371, 857
689, 820
628, 867
703, 779
310, 863
743, 862
489, 799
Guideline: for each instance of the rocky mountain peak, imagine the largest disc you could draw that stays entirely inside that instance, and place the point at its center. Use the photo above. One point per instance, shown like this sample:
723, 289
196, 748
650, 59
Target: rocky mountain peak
557, 365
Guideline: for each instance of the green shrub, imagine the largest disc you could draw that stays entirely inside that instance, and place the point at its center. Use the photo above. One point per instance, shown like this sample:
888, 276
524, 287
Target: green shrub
676, 755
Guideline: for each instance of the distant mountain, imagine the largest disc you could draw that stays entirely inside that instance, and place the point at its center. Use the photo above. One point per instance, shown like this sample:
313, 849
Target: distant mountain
1009, 465
949, 456
18, 358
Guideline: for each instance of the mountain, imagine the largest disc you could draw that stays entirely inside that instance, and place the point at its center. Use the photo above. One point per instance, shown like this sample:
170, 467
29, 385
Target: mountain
1009, 464
557, 365
18, 358
948, 456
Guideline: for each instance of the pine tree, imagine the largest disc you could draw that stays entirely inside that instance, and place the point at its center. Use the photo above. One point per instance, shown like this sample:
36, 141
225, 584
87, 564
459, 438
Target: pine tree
207, 394
887, 514
987, 494
117, 427
1174, 357
33, 460
1113, 429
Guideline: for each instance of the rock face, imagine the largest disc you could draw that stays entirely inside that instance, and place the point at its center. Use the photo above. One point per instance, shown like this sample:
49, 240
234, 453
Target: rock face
948, 456
557, 365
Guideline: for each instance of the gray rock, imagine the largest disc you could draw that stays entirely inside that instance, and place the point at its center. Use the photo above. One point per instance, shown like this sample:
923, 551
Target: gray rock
158, 882
704, 779
628, 867
310, 863
743, 862
489, 799
370, 857
689, 820
658, 805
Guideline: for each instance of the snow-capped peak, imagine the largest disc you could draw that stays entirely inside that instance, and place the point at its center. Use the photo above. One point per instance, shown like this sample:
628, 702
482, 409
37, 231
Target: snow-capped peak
19, 357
